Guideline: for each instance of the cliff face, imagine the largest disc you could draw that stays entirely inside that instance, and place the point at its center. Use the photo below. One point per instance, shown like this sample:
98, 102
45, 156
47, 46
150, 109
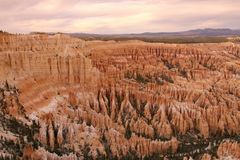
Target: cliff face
44, 56
120, 99
58, 58
40, 65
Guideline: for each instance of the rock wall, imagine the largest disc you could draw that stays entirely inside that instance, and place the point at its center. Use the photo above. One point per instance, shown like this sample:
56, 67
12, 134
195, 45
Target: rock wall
42, 65
56, 57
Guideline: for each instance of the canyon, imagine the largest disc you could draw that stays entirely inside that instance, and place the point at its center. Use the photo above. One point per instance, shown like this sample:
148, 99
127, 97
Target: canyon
66, 98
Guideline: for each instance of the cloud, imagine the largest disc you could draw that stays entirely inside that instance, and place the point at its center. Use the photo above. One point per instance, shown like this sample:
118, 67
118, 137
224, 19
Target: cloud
111, 16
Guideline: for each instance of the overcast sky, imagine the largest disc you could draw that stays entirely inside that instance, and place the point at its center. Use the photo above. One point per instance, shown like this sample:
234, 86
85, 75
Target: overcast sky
117, 16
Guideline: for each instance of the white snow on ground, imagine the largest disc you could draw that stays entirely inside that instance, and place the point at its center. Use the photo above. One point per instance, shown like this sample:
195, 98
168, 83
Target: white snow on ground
48, 108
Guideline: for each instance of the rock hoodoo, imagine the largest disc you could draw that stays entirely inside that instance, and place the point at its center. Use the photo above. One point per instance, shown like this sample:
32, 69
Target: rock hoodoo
70, 99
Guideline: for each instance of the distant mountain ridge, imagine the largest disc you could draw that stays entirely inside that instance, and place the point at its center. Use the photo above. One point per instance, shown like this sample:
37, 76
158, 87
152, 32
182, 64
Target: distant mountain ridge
200, 32
195, 32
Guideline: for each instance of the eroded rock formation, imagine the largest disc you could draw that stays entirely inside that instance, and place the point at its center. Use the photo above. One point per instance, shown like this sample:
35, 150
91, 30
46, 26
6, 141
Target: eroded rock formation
125, 100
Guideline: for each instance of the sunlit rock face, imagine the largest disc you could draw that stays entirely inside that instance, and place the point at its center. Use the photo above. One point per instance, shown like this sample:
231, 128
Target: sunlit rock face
65, 98
42, 65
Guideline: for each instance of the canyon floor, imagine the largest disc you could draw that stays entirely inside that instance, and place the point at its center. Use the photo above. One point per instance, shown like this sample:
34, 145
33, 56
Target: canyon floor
63, 98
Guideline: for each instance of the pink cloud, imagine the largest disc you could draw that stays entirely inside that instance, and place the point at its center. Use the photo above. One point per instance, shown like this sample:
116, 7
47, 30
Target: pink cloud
110, 16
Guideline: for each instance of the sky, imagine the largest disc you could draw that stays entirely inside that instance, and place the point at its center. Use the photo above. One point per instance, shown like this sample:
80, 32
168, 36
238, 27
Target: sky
117, 16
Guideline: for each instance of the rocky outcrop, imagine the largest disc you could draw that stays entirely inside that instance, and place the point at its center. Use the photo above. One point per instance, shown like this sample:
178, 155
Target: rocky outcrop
206, 157
42, 154
229, 148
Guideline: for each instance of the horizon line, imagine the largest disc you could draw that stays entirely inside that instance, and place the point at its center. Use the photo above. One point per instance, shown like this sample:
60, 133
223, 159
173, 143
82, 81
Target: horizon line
194, 29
